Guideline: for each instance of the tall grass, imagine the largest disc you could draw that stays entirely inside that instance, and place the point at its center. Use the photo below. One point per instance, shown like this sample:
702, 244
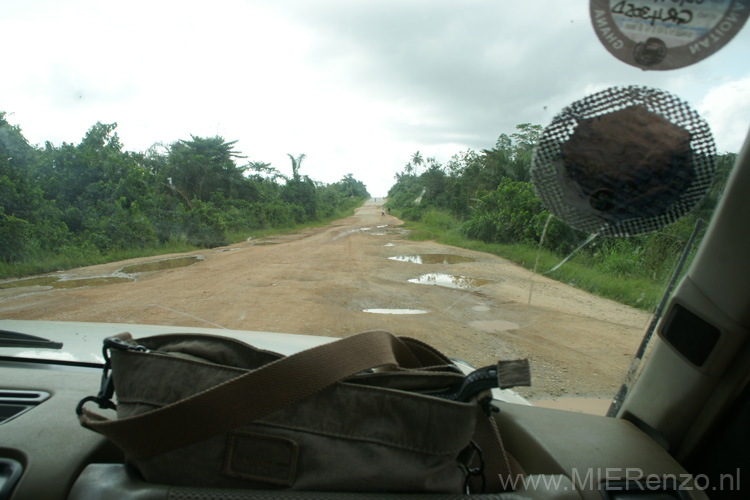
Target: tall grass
72, 257
636, 291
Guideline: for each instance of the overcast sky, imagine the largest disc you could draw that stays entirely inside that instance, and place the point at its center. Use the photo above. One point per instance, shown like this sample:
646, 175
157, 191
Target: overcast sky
358, 86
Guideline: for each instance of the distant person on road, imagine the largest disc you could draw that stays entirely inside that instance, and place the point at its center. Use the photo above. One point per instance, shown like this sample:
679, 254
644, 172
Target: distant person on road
382, 212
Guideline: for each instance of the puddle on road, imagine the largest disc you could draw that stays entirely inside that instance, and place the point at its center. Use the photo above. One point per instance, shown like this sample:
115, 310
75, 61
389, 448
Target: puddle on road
395, 311
56, 282
388, 244
382, 230
159, 265
495, 325
432, 258
59, 283
451, 281
41, 281
386, 231
104, 280
373, 231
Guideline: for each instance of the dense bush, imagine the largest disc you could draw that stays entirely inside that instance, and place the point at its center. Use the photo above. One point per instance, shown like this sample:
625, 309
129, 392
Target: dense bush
70, 202
511, 213
490, 198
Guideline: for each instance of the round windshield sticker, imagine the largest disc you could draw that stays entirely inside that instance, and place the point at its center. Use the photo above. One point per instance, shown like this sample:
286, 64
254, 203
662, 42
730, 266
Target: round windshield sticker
666, 34
624, 161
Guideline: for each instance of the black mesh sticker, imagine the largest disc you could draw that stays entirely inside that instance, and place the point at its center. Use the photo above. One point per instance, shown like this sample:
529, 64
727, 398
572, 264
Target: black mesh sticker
624, 161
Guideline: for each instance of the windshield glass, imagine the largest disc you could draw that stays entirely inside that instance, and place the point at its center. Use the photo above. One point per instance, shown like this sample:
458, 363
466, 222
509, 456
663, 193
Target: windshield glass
326, 168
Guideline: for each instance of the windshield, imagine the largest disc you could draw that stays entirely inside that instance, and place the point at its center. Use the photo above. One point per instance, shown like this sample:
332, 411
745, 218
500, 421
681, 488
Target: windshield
326, 168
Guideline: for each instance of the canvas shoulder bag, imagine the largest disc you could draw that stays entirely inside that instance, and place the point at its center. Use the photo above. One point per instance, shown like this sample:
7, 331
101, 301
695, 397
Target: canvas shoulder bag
370, 412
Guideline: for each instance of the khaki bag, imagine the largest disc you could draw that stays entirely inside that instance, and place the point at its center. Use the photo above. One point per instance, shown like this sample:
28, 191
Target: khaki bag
371, 412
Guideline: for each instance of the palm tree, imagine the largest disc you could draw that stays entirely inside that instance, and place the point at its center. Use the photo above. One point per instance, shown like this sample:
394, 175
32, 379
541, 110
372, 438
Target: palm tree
417, 160
262, 168
296, 162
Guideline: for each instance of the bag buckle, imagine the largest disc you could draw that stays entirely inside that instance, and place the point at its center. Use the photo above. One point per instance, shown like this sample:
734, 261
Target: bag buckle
475, 471
107, 387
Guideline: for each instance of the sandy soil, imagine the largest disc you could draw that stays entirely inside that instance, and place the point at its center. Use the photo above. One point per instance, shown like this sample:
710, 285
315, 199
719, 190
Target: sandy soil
320, 281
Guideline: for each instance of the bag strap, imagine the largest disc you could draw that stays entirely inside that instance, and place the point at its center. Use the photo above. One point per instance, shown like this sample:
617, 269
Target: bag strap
257, 393
502, 472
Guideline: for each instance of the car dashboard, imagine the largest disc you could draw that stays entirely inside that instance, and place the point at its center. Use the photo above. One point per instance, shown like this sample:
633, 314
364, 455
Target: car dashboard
567, 455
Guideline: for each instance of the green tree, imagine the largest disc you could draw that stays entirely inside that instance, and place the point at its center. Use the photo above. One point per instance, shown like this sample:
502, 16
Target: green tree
416, 160
351, 187
434, 182
200, 167
30, 226
526, 137
296, 165
300, 192
19, 194
264, 170
86, 200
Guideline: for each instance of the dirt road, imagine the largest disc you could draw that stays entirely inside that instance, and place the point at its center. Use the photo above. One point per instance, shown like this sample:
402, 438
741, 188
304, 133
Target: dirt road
320, 282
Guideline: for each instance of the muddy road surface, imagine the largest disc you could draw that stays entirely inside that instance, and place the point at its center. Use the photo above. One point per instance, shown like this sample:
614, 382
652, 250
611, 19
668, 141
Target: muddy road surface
338, 280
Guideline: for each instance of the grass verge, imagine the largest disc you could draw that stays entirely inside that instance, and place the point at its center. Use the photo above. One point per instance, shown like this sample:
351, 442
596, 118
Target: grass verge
77, 257
72, 257
636, 292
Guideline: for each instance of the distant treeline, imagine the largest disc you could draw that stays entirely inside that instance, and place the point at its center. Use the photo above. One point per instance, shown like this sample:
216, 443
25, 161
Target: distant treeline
94, 198
490, 195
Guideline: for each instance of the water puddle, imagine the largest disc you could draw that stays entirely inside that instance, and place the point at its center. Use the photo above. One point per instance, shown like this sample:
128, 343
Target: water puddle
59, 282
388, 244
395, 311
160, 265
41, 281
451, 281
432, 258
56, 282
105, 280
373, 231
383, 231
495, 325
591, 406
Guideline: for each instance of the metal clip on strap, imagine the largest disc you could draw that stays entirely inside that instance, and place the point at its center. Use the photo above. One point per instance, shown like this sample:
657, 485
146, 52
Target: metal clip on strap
475, 471
107, 387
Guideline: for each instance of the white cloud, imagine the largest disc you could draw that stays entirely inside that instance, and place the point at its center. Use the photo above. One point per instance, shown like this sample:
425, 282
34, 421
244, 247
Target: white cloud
357, 86
726, 108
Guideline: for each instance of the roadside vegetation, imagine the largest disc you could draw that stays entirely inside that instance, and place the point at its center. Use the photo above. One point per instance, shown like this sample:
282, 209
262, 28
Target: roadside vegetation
93, 202
485, 201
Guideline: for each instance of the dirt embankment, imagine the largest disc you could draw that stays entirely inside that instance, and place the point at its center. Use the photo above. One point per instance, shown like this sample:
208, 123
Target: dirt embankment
320, 282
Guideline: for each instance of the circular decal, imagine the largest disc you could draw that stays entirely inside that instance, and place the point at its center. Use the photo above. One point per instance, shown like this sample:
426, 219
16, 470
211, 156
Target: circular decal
666, 34
624, 161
